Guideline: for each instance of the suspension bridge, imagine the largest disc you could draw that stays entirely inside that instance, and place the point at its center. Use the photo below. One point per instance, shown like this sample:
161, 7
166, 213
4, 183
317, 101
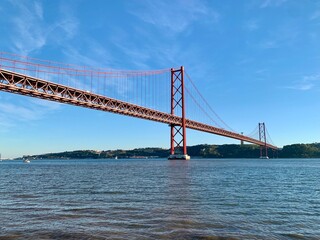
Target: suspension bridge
156, 95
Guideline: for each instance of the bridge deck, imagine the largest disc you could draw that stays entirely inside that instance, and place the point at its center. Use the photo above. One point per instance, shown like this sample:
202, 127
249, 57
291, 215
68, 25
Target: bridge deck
30, 86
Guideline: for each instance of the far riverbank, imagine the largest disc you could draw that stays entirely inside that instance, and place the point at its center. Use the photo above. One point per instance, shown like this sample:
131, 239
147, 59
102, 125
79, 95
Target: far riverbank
201, 151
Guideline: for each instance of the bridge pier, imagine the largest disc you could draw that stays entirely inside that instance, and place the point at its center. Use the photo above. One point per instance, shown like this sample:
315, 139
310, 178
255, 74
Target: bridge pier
178, 131
179, 157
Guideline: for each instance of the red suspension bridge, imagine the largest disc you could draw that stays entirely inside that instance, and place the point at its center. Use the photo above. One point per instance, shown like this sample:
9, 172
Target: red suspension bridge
160, 95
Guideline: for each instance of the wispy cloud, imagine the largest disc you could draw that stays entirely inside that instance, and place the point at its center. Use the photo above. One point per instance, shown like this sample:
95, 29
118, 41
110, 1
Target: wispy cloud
244, 61
307, 82
314, 77
31, 31
251, 25
175, 16
302, 86
67, 21
169, 20
84, 57
103, 61
38, 10
261, 71
139, 57
268, 44
5, 124
272, 3
284, 35
28, 110
315, 15
18, 112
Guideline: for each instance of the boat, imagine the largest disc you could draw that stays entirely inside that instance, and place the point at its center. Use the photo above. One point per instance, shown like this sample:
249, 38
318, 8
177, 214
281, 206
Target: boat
264, 157
26, 160
116, 157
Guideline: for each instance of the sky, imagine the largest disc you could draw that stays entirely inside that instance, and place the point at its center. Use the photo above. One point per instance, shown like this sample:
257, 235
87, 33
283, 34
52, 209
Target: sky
253, 61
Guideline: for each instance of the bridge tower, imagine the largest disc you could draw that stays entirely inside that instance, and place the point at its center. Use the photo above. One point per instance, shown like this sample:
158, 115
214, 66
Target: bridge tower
178, 132
263, 138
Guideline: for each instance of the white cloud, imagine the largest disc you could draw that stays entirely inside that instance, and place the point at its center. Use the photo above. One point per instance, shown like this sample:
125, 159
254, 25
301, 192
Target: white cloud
314, 77
315, 15
17, 111
307, 82
267, 44
31, 32
251, 25
5, 124
272, 3
285, 35
77, 56
244, 61
28, 110
38, 10
175, 16
261, 71
45, 105
69, 26
101, 62
302, 87
67, 22
139, 57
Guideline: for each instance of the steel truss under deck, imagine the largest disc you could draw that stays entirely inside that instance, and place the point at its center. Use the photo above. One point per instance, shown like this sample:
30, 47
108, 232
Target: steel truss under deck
30, 86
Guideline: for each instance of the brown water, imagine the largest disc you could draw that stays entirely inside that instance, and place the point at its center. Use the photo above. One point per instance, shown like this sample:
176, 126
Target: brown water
160, 199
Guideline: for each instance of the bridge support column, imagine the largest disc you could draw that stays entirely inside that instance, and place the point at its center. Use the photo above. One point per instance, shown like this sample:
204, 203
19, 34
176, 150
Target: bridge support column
263, 138
178, 132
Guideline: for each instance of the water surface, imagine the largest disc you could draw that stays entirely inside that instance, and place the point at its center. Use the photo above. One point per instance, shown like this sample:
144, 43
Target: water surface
160, 199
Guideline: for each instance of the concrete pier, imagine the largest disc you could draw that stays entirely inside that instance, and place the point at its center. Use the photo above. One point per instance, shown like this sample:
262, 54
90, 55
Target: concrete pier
179, 157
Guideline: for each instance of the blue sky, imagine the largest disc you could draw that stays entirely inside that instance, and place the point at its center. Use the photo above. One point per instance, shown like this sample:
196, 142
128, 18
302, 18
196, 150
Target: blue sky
253, 61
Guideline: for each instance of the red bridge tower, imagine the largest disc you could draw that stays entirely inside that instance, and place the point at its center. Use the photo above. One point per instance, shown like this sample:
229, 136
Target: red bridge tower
178, 132
263, 138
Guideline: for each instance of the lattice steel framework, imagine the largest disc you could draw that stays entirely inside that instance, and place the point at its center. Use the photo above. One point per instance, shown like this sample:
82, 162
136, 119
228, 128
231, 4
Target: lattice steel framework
35, 87
178, 132
263, 138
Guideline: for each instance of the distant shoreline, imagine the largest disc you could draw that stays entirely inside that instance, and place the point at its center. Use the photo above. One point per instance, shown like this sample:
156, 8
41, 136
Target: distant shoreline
202, 151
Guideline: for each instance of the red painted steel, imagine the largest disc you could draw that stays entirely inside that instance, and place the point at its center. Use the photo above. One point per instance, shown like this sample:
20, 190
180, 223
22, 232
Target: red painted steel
263, 138
178, 132
184, 135
35, 87
172, 129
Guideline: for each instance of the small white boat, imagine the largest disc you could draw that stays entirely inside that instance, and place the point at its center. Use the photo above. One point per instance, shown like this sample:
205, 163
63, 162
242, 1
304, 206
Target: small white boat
26, 160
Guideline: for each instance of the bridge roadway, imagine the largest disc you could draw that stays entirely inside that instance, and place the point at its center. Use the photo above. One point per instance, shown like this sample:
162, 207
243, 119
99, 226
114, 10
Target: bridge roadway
30, 86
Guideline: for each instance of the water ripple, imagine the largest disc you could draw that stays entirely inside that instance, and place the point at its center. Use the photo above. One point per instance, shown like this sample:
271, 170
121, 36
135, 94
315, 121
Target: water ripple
160, 199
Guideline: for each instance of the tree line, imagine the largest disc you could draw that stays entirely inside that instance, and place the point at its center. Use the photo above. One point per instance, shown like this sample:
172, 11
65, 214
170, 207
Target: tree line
203, 151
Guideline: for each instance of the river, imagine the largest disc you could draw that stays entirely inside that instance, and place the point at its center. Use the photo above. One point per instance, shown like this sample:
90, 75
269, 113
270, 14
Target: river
160, 199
